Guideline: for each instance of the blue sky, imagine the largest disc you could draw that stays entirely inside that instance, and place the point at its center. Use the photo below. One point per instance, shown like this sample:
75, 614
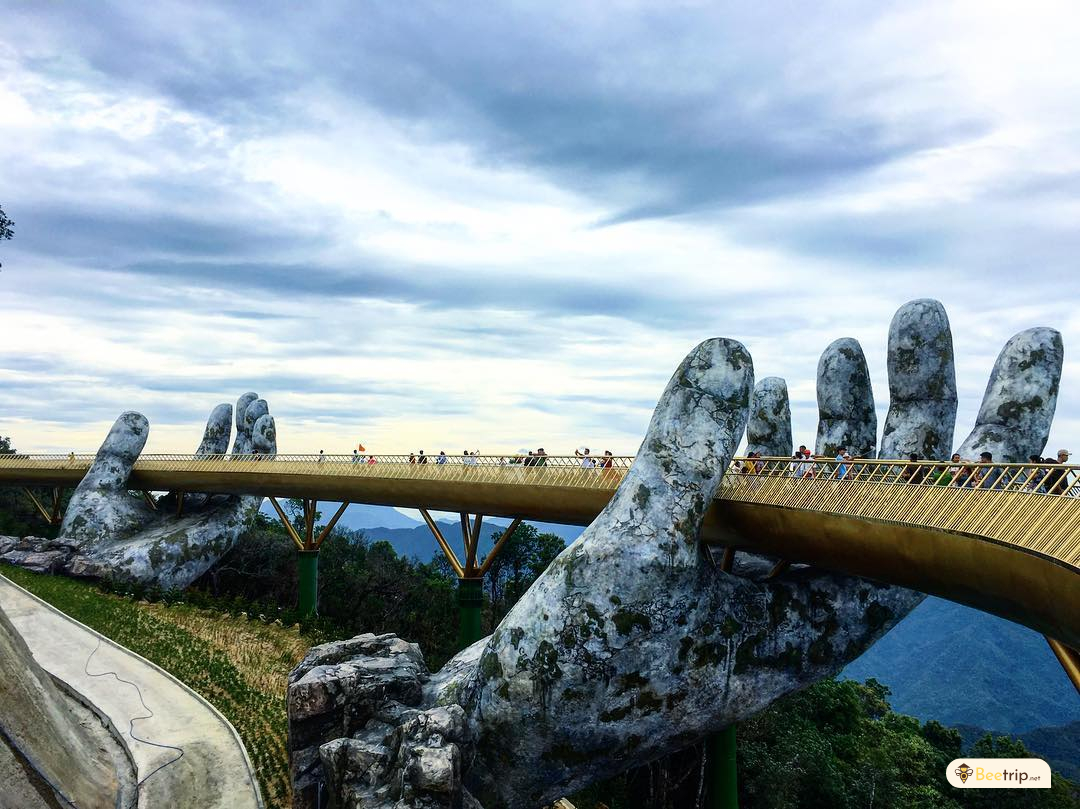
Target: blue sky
451, 225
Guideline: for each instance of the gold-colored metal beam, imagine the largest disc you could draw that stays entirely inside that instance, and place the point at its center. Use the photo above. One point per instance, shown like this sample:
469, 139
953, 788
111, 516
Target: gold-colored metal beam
1069, 660
44, 512
448, 552
466, 541
309, 523
473, 544
778, 568
490, 558
727, 561
295, 537
330, 525
149, 498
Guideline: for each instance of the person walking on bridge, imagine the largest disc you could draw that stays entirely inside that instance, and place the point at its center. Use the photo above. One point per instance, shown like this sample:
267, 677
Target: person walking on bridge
422, 458
441, 459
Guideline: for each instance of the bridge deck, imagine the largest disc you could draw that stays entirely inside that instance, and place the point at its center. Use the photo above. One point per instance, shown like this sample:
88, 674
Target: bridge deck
988, 536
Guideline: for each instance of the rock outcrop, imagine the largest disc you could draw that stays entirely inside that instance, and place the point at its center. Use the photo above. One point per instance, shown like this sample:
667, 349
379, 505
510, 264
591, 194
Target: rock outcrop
846, 416
768, 429
922, 383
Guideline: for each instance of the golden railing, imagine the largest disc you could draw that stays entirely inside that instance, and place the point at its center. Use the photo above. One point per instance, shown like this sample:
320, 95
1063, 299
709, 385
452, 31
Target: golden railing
1033, 506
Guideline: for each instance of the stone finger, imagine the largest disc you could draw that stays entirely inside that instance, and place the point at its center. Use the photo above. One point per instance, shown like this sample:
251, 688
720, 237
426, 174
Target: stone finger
846, 416
768, 430
242, 444
218, 430
922, 383
1020, 399
264, 436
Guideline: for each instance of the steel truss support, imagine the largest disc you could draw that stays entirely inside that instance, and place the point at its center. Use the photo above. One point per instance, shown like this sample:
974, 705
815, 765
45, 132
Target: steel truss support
470, 572
1069, 659
307, 546
54, 514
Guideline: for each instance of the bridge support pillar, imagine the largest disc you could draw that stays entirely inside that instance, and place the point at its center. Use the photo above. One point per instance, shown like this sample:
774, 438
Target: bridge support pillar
721, 771
470, 572
470, 597
307, 567
307, 546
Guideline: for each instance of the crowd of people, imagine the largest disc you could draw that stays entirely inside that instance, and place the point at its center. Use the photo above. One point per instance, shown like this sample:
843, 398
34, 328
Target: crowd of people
1041, 476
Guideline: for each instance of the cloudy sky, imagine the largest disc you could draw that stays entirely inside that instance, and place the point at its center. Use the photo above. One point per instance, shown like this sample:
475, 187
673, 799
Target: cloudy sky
463, 225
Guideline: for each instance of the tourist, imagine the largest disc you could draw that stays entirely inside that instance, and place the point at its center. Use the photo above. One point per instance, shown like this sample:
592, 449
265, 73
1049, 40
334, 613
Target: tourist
370, 459
322, 456
984, 474
442, 458
1056, 478
914, 472
422, 458
412, 458
1036, 475
355, 456
541, 457
468, 459
841, 456
586, 461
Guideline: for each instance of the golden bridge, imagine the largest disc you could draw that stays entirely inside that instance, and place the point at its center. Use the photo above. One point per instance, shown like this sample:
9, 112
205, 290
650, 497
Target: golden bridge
1003, 538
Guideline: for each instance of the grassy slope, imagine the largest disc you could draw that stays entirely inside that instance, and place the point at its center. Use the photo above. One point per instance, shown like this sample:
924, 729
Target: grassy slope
238, 665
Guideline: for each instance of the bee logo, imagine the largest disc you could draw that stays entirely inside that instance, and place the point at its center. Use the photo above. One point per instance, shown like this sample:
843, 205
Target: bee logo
964, 772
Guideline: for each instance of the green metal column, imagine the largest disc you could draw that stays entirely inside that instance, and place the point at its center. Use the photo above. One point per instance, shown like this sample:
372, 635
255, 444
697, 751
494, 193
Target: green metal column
470, 595
723, 791
307, 567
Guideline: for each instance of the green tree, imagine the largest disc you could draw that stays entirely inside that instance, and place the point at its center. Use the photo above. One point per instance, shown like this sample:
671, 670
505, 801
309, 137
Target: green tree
7, 227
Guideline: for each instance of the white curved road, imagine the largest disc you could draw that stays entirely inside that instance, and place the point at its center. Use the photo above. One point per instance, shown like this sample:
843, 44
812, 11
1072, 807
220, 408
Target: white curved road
214, 771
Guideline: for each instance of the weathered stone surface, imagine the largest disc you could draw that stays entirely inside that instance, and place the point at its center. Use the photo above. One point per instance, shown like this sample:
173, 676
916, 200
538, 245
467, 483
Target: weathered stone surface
100, 505
768, 430
218, 431
631, 644
846, 416
264, 436
117, 535
39, 562
922, 383
363, 687
1020, 399
242, 444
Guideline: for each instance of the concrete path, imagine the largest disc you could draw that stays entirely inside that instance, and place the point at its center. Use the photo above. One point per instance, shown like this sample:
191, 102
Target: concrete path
214, 770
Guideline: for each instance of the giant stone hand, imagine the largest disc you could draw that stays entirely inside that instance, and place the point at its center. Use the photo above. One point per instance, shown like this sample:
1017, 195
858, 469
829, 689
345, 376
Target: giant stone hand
633, 644
118, 535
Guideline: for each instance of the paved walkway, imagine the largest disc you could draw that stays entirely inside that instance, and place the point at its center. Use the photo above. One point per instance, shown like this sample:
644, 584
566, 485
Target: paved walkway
214, 770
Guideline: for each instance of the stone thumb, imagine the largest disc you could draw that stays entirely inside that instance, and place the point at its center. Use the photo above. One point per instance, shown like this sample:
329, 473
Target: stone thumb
121, 448
693, 434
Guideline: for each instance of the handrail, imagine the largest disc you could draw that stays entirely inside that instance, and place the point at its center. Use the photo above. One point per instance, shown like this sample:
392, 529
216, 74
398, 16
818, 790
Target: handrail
1035, 507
